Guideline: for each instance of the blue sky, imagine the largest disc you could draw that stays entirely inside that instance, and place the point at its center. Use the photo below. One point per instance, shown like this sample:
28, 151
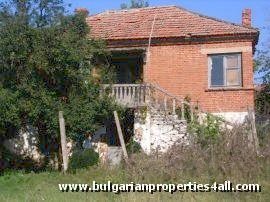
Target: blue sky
229, 10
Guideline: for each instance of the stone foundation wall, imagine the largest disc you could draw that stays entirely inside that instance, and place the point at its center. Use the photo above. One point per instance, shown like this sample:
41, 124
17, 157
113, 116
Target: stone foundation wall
25, 144
233, 117
157, 132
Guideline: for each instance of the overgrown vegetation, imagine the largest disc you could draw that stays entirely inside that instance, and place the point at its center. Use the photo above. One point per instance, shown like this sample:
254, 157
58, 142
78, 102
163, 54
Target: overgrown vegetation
46, 60
216, 154
205, 127
262, 68
208, 129
133, 147
45, 66
229, 158
263, 100
83, 159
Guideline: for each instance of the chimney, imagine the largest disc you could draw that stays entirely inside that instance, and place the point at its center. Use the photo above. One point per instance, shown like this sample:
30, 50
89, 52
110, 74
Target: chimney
246, 17
83, 11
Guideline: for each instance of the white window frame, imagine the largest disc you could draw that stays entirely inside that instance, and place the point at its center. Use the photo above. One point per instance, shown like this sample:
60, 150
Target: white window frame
225, 68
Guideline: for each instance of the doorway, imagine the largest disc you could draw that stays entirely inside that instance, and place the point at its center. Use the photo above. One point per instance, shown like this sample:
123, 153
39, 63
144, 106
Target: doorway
128, 66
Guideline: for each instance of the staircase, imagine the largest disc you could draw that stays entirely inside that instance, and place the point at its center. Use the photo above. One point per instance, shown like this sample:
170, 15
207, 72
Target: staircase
160, 120
147, 95
166, 130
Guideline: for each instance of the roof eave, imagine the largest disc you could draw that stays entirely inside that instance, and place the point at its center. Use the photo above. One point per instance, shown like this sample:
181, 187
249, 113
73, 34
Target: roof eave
203, 38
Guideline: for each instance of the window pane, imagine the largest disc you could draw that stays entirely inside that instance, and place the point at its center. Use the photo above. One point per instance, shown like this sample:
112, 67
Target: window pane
233, 77
217, 73
232, 61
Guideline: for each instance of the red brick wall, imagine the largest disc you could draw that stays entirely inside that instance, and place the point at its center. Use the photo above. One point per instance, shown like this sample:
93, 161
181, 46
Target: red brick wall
183, 71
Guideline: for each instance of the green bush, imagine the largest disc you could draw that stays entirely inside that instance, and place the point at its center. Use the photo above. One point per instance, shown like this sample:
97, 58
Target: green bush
207, 131
133, 147
83, 159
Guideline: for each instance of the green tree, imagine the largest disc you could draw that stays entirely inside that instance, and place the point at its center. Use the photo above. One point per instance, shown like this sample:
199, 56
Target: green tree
262, 66
135, 4
46, 59
262, 69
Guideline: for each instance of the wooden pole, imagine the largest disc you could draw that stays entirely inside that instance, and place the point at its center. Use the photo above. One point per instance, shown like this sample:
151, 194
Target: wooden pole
254, 137
183, 111
191, 114
120, 135
63, 140
174, 107
165, 103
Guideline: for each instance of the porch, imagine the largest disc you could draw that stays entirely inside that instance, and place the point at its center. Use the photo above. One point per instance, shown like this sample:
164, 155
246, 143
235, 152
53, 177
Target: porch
130, 89
158, 126
147, 95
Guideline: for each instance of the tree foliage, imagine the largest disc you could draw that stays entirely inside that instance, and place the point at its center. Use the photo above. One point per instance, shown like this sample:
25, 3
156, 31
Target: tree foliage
46, 59
38, 13
262, 65
262, 68
135, 4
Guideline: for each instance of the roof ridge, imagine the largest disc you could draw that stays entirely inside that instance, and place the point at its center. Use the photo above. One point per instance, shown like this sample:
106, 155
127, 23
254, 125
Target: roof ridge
173, 6
173, 21
131, 9
214, 18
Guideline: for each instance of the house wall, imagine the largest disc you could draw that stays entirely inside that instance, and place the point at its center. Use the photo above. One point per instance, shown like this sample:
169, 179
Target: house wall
158, 132
183, 71
25, 144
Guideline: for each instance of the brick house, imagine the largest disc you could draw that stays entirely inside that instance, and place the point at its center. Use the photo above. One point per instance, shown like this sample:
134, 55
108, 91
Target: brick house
182, 53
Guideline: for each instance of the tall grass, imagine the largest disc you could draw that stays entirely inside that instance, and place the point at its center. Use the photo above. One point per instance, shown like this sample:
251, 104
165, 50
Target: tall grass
226, 157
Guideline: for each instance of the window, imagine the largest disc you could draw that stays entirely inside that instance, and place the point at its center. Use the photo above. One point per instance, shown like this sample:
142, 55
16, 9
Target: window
225, 70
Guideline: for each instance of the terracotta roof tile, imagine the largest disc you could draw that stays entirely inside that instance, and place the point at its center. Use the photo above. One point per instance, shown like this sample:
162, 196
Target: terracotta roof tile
171, 21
